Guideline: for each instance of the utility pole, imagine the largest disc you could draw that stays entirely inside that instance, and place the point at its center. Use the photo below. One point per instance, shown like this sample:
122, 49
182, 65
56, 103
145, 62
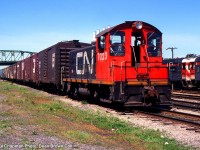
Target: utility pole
172, 49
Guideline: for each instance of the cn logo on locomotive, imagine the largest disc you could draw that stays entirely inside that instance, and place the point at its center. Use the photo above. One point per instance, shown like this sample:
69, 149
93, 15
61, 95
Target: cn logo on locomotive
83, 63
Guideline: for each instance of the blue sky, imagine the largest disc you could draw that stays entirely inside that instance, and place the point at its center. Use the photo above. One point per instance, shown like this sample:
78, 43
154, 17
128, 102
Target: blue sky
33, 25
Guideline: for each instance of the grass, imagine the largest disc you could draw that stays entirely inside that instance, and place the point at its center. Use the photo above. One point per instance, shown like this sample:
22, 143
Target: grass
59, 119
83, 136
5, 124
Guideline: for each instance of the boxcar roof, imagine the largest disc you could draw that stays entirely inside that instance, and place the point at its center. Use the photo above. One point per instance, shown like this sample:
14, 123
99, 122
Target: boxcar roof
68, 44
175, 60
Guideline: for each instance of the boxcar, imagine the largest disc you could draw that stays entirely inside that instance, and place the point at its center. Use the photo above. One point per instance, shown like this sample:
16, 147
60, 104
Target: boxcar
197, 71
27, 69
34, 68
184, 72
53, 61
175, 71
1, 73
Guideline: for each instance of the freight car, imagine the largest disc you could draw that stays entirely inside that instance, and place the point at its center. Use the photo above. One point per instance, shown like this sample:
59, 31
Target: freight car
53, 64
46, 68
175, 71
123, 65
184, 72
1, 73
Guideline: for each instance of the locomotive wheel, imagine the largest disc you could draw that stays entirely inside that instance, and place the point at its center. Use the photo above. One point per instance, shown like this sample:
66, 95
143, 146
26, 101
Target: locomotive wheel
104, 94
73, 92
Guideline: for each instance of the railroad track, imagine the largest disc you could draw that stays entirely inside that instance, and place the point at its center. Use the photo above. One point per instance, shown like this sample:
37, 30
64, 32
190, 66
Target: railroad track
186, 99
186, 95
188, 119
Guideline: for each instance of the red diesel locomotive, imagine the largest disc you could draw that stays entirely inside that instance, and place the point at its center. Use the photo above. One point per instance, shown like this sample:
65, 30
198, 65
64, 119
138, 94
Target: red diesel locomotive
124, 65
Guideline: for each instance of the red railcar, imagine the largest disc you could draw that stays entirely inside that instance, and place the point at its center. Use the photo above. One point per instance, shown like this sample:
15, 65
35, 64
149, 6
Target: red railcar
18, 77
34, 68
10, 72
14, 71
41, 75
27, 69
4, 73
22, 77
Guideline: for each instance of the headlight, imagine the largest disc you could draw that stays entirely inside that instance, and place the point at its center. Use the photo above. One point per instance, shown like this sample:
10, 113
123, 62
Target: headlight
139, 25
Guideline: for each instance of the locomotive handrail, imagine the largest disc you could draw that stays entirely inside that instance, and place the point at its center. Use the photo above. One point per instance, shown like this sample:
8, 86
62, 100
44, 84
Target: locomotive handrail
139, 77
134, 54
141, 66
121, 76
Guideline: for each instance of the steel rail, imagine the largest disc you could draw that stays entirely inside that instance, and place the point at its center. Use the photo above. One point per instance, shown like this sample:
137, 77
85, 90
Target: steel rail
183, 120
190, 105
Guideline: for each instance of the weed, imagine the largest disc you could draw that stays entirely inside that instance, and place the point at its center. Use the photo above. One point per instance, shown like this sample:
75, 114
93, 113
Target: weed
5, 124
78, 135
84, 102
34, 133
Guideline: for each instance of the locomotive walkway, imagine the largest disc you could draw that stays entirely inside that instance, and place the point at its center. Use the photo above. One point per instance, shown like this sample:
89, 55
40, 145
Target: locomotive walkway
9, 57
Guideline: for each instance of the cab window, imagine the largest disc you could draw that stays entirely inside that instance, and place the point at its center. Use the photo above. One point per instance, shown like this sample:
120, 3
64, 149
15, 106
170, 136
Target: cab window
183, 66
101, 42
154, 44
117, 40
188, 66
192, 66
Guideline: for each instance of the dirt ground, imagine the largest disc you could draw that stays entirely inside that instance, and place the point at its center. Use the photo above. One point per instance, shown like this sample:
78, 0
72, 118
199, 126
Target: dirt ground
17, 133
29, 137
